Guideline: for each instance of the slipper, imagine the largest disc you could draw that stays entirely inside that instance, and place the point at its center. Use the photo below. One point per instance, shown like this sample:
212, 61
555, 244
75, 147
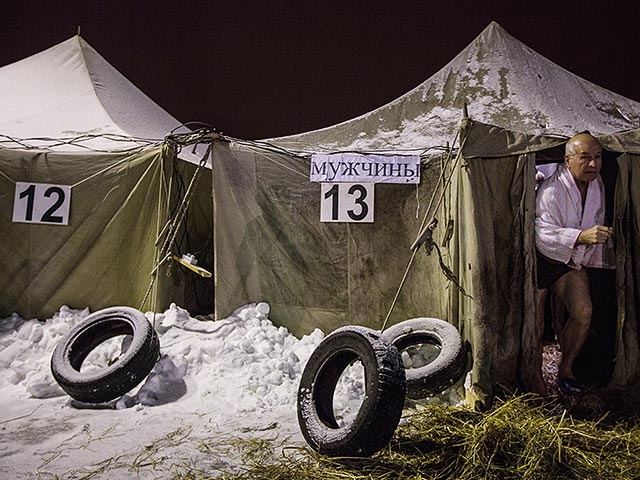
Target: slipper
570, 386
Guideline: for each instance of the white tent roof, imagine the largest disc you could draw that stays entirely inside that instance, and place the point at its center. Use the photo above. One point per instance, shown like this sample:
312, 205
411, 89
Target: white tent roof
503, 82
70, 92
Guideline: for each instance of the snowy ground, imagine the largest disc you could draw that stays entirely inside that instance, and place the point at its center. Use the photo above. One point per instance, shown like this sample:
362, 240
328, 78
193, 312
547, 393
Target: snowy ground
216, 385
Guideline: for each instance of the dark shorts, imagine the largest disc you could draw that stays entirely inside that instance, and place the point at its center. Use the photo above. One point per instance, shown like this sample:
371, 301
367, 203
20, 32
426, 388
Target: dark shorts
549, 270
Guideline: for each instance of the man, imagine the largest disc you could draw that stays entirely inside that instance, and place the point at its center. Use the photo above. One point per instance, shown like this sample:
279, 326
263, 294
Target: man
571, 235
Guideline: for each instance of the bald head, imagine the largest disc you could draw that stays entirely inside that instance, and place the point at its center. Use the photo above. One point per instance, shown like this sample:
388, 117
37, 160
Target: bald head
581, 139
583, 157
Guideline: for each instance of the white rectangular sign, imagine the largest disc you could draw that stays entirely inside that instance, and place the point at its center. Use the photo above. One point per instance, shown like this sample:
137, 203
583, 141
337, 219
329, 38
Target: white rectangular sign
359, 168
42, 203
347, 202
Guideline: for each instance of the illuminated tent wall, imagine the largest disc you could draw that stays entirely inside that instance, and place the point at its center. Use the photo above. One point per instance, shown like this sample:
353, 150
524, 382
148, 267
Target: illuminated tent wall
271, 246
69, 118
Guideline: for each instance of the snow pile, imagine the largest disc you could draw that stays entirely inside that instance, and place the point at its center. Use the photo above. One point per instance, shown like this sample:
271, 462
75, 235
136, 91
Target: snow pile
216, 382
245, 352
255, 364
26, 347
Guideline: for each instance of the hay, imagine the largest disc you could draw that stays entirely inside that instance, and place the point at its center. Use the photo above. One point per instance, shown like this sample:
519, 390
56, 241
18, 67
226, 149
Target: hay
522, 437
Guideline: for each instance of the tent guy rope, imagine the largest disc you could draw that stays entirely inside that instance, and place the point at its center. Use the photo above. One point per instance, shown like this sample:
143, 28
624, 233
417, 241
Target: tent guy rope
426, 231
175, 225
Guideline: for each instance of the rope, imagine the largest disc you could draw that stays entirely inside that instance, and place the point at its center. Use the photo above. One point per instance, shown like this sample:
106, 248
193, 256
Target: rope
186, 201
427, 232
161, 190
307, 154
447, 271
90, 176
175, 225
104, 170
8, 178
154, 275
395, 299
254, 150
52, 143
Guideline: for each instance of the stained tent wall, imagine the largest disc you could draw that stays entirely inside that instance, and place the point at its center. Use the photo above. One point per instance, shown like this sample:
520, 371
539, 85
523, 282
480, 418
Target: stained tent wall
626, 375
106, 253
328, 273
270, 245
493, 254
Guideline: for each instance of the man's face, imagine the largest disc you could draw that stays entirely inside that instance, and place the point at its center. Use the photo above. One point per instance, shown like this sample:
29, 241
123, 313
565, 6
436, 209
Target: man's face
586, 161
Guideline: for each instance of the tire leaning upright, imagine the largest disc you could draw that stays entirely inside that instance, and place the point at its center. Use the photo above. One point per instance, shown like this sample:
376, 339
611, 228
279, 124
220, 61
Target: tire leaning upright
120, 377
380, 411
446, 369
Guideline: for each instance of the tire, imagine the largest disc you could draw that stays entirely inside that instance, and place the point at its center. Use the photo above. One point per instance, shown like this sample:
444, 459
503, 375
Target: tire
121, 376
446, 369
380, 411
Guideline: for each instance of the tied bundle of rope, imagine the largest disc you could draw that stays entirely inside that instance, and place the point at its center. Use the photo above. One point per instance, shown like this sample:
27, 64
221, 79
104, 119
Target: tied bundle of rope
429, 244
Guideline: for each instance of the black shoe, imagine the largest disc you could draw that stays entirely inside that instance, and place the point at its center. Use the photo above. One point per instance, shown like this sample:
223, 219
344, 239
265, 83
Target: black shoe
570, 386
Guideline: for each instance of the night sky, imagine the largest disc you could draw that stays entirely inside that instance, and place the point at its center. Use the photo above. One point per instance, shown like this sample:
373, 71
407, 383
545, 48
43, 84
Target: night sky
257, 69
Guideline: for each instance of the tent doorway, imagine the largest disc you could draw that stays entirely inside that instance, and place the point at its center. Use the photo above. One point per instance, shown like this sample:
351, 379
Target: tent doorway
595, 363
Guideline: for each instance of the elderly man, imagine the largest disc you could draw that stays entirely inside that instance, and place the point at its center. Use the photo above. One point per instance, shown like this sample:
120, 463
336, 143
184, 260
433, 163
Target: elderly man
570, 235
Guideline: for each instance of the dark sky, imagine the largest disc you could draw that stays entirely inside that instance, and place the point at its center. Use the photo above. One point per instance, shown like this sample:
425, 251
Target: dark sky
256, 69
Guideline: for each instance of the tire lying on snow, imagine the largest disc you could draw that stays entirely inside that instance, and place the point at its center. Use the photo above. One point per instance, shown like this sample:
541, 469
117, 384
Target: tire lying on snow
118, 378
380, 411
446, 369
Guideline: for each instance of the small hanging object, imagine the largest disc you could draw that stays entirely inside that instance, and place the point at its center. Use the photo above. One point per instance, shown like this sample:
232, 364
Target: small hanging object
190, 262
426, 236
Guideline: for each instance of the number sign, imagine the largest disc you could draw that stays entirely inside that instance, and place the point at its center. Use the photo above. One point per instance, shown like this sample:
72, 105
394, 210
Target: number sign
42, 203
347, 202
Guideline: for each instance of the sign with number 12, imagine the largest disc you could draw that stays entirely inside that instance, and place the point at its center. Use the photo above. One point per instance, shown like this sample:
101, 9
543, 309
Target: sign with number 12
42, 203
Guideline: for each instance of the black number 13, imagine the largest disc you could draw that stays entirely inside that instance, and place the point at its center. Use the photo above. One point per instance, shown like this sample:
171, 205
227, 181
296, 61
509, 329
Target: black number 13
360, 190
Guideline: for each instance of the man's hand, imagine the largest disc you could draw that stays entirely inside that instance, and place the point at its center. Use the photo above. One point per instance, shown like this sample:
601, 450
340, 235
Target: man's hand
595, 235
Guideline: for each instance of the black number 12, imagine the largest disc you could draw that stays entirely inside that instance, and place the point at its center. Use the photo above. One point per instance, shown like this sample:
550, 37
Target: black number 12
48, 216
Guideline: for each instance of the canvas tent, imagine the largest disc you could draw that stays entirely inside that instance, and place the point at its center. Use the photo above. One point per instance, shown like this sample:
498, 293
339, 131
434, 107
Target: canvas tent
69, 118
263, 237
480, 124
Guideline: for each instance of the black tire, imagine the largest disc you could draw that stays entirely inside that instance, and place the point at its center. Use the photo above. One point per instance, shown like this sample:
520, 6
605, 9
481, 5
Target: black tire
120, 377
446, 369
380, 411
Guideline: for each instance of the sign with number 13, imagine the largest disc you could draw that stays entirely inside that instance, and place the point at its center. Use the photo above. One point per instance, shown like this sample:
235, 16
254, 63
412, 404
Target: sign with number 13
347, 202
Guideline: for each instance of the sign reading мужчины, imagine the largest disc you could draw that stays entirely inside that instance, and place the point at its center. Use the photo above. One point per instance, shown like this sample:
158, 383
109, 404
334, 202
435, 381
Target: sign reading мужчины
361, 168
348, 181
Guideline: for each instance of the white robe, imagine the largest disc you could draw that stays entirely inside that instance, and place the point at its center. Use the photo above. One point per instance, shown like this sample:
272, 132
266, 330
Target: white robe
560, 218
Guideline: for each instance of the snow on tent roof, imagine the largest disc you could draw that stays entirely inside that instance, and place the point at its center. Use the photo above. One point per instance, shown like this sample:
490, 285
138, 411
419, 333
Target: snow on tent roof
503, 82
71, 92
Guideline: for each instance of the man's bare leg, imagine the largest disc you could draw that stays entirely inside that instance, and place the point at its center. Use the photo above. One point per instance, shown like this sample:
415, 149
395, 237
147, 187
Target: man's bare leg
573, 290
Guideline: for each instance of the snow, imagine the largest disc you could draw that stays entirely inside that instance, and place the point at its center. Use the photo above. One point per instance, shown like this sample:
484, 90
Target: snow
216, 382
501, 81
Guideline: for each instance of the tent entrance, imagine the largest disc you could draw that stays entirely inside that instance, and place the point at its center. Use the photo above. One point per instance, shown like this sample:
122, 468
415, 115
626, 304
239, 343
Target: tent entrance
595, 363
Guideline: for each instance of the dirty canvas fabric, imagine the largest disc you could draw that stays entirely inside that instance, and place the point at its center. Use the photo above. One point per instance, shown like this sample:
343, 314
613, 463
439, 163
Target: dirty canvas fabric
105, 255
273, 245
270, 245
